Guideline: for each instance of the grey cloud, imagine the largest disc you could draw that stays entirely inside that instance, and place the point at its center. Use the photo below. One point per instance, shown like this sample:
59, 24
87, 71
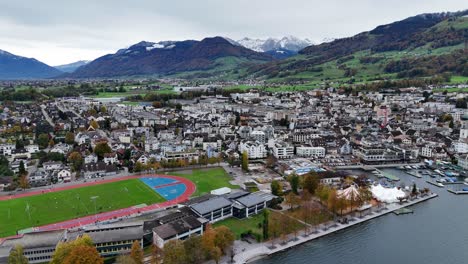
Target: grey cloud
57, 31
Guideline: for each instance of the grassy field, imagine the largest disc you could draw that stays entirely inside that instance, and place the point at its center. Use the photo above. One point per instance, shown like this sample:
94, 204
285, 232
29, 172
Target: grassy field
206, 179
64, 205
239, 226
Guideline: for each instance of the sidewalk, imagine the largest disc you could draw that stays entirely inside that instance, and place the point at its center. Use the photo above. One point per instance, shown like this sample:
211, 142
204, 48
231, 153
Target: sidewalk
255, 251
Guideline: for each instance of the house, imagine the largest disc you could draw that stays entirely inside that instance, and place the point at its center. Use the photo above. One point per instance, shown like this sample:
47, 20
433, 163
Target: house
20, 154
39, 178
255, 150
283, 150
91, 158
7, 148
64, 175
61, 148
52, 165
308, 151
97, 170
111, 158
32, 148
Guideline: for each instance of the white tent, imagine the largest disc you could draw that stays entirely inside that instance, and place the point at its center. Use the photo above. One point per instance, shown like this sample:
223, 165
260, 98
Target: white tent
349, 193
386, 195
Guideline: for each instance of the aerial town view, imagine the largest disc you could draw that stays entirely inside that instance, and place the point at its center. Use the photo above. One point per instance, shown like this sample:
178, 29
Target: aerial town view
233, 132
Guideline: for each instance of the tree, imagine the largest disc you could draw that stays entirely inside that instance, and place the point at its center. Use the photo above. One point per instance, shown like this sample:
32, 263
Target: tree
292, 200
208, 240
157, 254
23, 182
265, 224
70, 138
157, 104
245, 161
125, 259
83, 254
64, 249
103, 109
332, 201
311, 182
94, 124
76, 160
194, 252
294, 181
216, 254
224, 238
102, 148
174, 252
276, 188
22, 169
271, 161
42, 140
136, 252
16, 256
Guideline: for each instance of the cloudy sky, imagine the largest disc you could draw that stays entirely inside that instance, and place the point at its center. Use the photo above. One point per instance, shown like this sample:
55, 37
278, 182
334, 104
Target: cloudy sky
58, 32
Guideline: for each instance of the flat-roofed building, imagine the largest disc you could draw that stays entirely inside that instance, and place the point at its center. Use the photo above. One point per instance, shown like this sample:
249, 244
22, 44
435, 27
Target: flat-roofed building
214, 209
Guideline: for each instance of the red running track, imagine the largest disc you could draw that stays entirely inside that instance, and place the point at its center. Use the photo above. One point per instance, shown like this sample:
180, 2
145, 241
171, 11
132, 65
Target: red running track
90, 219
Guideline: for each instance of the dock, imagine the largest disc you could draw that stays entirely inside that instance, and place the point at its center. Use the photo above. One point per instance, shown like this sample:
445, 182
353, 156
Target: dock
457, 192
388, 176
414, 174
438, 184
402, 211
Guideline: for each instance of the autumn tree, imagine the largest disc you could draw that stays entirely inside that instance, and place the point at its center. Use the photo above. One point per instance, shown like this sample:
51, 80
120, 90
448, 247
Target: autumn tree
311, 182
208, 240
69, 138
271, 161
292, 200
125, 259
174, 252
224, 238
216, 254
136, 252
64, 249
94, 124
245, 161
83, 254
76, 160
23, 182
16, 256
332, 200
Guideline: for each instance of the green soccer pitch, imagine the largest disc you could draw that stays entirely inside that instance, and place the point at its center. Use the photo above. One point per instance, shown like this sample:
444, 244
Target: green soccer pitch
52, 207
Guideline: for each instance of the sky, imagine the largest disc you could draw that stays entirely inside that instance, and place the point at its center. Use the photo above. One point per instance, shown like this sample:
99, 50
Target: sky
59, 32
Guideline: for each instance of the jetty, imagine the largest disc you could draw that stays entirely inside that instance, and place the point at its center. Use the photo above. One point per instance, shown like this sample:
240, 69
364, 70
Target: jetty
438, 184
402, 211
458, 192
260, 250
388, 175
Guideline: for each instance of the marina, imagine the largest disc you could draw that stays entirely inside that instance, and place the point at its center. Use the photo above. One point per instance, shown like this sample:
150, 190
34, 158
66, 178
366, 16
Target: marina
382, 237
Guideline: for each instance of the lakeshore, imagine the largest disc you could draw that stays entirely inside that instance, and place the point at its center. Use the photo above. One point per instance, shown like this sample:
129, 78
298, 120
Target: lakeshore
260, 250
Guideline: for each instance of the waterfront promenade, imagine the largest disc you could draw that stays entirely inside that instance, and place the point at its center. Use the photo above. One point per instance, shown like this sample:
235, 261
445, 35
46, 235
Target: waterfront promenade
256, 251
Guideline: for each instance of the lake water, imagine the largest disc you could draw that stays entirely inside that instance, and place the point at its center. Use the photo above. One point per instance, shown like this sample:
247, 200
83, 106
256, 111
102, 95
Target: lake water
436, 233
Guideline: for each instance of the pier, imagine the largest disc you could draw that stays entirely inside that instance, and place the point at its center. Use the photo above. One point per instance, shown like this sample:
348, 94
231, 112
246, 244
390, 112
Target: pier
437, 184
260, 250
457, 192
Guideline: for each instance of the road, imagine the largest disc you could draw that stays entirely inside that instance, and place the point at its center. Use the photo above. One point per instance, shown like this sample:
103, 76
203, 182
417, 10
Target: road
46, 115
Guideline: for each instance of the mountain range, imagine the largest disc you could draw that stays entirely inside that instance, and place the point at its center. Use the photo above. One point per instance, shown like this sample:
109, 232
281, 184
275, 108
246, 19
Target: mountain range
71, 67
171, 57
419, 46
17, 67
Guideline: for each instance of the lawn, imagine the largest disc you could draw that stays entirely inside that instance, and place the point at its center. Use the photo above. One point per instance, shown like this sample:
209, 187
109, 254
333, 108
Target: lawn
64, 205
206, 179
239, 226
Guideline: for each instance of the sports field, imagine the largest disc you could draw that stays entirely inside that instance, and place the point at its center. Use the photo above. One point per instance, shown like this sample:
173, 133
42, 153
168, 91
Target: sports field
52, 207
207, 179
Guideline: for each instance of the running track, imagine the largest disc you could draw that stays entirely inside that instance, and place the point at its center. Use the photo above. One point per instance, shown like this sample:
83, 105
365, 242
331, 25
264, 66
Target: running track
90, 219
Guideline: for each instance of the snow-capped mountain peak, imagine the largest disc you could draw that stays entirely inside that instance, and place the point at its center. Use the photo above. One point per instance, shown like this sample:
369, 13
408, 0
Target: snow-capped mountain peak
290, 43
